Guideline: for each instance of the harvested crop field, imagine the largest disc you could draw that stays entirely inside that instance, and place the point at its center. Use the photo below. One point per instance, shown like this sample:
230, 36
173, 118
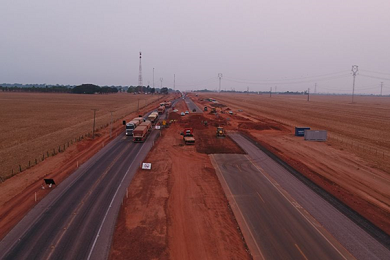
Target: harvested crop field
361, 128
37, 125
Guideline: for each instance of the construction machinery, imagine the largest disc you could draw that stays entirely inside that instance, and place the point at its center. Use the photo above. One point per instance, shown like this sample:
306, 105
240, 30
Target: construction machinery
188, 136
220, 132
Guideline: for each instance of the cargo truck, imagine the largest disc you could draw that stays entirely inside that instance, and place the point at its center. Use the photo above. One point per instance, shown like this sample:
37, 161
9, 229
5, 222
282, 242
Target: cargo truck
148, 125
152, 118
161, 110
130, 126
140, 133
139, 119
188, 136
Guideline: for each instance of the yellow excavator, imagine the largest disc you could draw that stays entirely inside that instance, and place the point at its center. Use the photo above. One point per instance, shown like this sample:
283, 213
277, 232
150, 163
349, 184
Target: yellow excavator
220, 132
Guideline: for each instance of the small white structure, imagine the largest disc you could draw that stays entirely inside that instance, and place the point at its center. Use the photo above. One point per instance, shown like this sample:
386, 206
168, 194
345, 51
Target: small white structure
146, 166
315, 135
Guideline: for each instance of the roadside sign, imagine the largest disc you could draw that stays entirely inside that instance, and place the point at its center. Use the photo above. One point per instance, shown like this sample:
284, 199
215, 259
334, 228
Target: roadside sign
146, 166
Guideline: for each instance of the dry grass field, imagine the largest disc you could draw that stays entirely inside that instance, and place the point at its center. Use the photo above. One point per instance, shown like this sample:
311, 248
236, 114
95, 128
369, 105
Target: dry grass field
361, 128
35, 124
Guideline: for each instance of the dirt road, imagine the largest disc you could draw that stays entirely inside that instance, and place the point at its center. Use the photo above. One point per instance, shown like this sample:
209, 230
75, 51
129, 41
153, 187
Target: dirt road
178, 209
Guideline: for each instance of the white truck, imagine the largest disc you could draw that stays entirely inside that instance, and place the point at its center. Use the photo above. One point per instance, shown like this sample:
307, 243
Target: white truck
130, 126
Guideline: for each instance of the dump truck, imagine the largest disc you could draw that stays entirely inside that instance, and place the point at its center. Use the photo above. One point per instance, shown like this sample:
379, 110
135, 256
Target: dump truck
188, 136
130, 126
140, 133
220, 132
148, 125
161, 110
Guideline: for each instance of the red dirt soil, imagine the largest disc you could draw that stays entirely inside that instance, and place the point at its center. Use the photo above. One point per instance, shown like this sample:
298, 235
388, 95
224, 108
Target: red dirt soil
178, 209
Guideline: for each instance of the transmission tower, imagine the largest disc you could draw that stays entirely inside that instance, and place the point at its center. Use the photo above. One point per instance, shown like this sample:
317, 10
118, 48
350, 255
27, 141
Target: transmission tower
220, 77
354, 72
140, 71
381, 87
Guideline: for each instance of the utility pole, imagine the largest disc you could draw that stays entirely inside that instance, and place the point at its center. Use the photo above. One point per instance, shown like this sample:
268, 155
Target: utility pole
93, 129
247, 90
174, 82
161, 79
354, 71
315, 88
140, 71
270, 91
111, 124
153, 77
220, 77
308, 94
381, 87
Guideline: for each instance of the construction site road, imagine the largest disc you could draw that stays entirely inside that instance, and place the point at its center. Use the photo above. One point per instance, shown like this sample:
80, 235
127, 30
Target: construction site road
191, 106
76, 220
282, 218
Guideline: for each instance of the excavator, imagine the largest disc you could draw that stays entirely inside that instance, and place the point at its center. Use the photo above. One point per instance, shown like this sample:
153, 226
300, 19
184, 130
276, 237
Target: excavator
220, 132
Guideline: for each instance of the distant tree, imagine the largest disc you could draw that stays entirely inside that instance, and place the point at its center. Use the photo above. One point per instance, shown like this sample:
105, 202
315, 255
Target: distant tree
152, 90
131, 89
86, 89
164, 91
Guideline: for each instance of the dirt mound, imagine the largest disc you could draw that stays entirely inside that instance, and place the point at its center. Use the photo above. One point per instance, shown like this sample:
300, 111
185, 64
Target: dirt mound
174, 116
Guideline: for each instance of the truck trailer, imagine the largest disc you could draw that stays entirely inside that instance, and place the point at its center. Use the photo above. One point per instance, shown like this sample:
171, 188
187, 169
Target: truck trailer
161, 110
148, 125
140, 134
152, 118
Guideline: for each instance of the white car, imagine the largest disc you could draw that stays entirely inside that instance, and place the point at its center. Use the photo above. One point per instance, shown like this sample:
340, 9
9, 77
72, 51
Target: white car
182, 114
187, 112
175, 110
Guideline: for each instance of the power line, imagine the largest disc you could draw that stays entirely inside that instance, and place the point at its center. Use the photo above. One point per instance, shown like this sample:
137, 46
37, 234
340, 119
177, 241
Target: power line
367, 76
376, 72
291, 79
288, 82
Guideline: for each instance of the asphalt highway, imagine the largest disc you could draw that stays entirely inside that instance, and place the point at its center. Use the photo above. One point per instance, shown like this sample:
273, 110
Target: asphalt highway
281, 218
191, 106
76, 220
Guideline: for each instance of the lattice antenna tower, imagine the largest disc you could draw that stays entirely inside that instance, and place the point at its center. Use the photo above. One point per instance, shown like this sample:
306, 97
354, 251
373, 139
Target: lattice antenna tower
140, 71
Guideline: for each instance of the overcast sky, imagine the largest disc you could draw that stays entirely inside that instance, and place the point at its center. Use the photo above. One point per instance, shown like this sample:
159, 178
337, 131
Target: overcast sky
286, 45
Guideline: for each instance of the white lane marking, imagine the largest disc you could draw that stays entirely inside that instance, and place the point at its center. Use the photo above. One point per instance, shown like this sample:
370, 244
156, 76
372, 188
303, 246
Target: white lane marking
260, 197
300, 251
109, 207
242, 216
294, 206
